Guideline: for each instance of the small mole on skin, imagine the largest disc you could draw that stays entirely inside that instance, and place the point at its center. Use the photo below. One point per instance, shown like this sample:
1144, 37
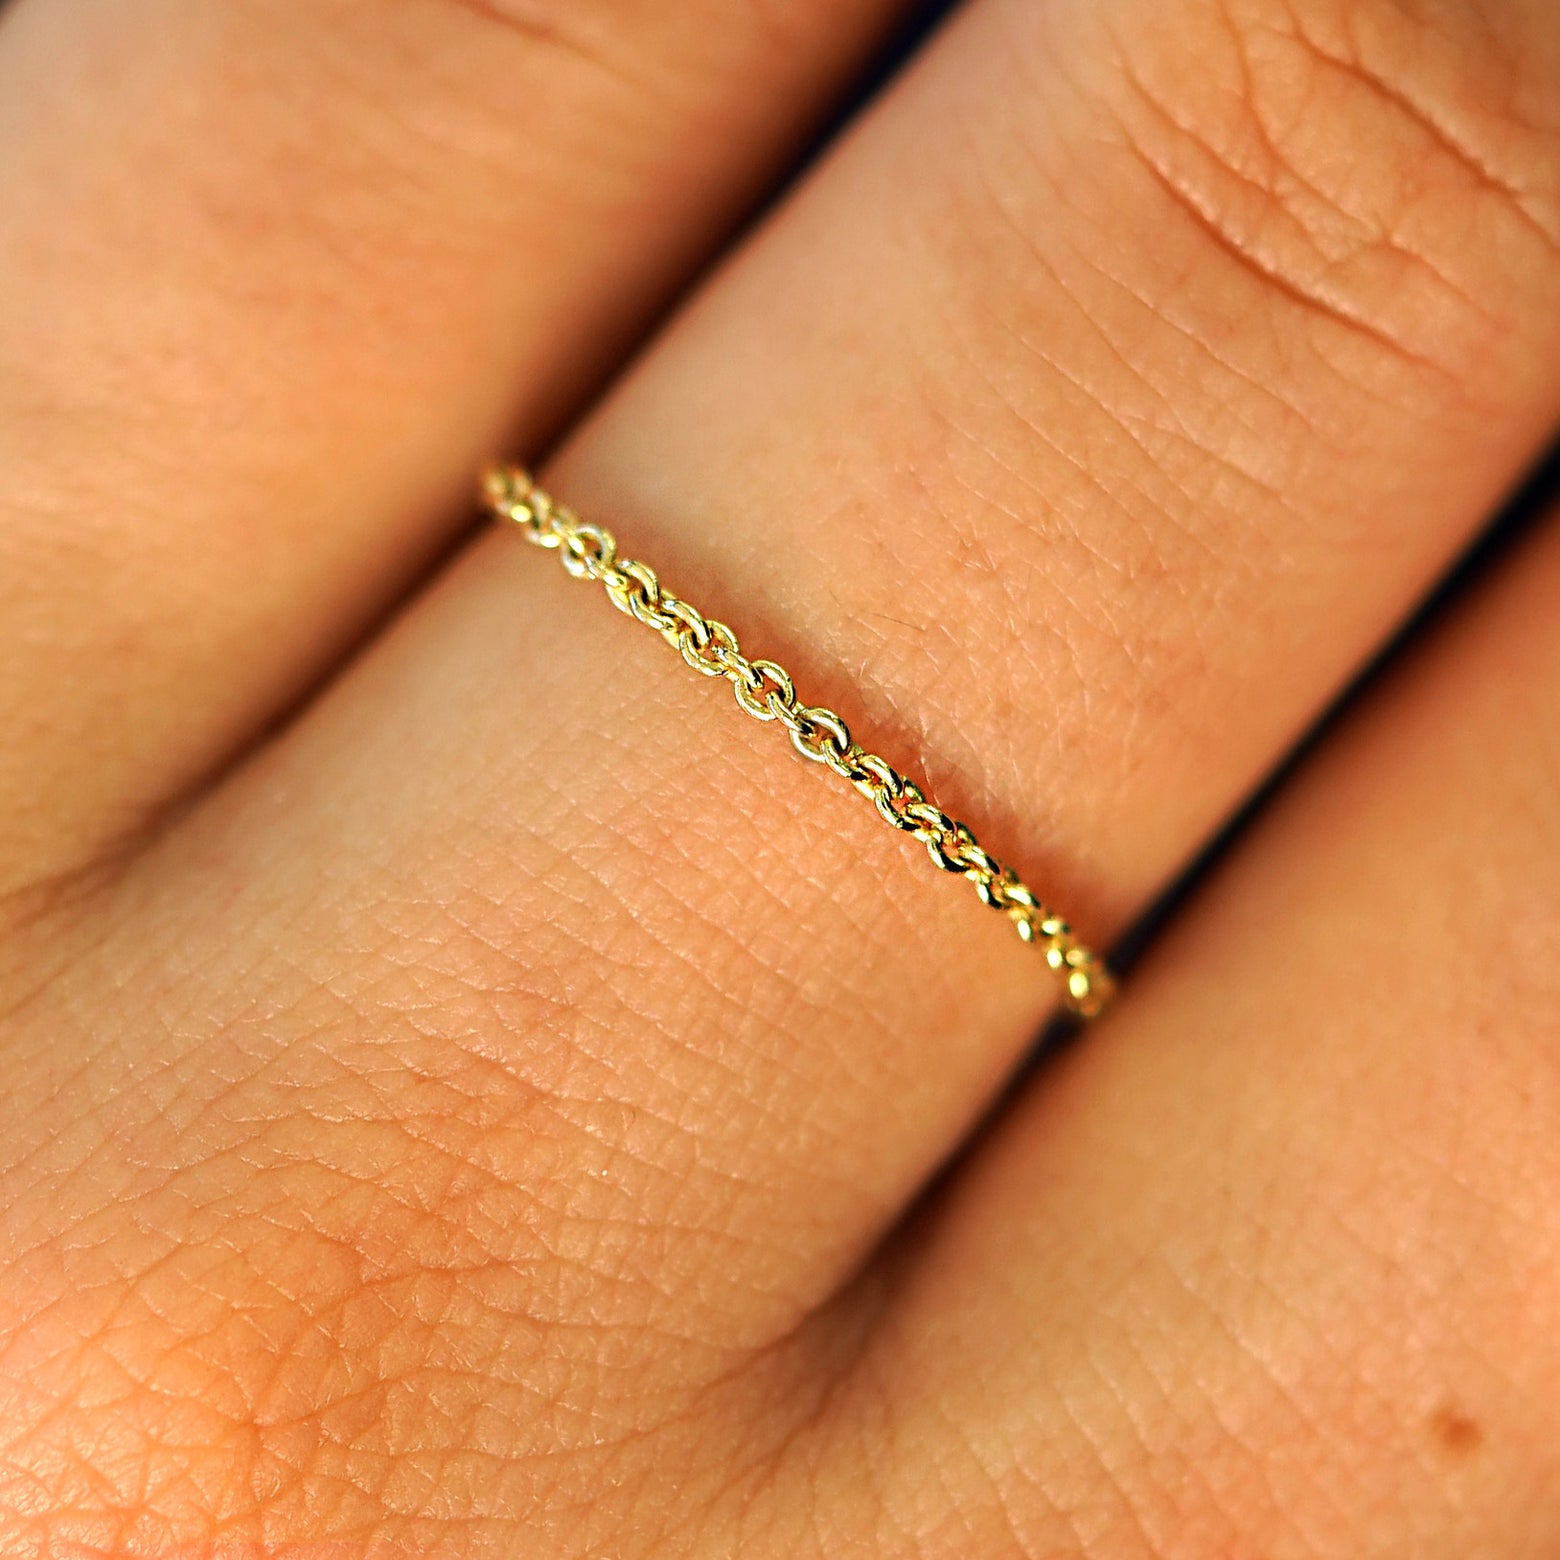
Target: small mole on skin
1455, 1430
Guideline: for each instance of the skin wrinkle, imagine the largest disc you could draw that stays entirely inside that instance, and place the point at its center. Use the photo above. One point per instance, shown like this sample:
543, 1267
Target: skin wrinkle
1290, 1400
752, 1475
536, 22
1144, 1514
1131, 422
1201, 208
988, 796
717, 926
1166, 1489
992, 806
1250, 259
1156, 508
1250, 385
1092, 481
1043, 64
49, 927
471, 927
977, 362
934, 639
1120, 1383
778, 30
1288, 169
1136, 371
1437, 126
959, 771
1342, 1355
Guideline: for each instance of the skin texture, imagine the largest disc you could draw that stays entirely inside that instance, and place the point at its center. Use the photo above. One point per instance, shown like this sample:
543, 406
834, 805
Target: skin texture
469, 1093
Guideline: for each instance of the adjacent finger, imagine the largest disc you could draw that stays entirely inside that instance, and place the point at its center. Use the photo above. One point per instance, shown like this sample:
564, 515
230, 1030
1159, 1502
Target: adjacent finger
274, 276
1269, 1266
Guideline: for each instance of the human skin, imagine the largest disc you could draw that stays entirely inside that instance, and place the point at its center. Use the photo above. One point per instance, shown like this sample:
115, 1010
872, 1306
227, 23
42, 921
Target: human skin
471, 1093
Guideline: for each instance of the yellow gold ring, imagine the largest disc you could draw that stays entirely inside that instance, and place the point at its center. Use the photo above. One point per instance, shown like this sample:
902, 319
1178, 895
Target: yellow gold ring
766, 692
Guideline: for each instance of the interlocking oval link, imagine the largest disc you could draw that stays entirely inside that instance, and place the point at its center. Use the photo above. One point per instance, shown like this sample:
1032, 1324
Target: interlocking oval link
631, 587
710, 658
765, 691
588, 551
819, 720
897, 809
761, 686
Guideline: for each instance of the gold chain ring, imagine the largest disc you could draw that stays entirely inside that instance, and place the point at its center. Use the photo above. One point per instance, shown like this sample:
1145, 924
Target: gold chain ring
767, 693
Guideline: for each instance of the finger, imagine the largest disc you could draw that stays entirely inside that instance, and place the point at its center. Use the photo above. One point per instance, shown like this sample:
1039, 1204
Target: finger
275, 275
1100, 634
1080, 527
1272, 1260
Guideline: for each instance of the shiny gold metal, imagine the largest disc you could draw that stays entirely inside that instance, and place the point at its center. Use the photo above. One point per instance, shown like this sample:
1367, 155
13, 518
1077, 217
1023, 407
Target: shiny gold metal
765, 691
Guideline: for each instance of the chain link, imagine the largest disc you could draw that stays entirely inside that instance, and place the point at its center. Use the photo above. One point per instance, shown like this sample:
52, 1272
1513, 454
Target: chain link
765, 691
